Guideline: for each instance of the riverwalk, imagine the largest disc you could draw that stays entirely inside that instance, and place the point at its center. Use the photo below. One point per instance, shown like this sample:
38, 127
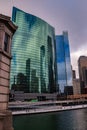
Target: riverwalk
48, 109
19, 108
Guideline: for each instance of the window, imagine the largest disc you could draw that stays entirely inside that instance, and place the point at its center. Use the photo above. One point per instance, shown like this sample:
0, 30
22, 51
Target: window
6, 40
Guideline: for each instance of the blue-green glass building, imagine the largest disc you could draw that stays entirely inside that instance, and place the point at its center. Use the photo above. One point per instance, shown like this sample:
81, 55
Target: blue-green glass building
33, 54
64, 70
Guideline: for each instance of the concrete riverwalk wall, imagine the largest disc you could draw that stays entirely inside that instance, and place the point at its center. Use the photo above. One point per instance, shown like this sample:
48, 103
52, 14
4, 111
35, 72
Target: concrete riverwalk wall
48, 109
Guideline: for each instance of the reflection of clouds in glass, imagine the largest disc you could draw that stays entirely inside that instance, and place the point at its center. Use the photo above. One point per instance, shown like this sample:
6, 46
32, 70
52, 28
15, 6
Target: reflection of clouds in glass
31, 34
61, 75
62, 83
63, 61
68, 71
64, 73
60, 49
66, 46
61, 71
14, 59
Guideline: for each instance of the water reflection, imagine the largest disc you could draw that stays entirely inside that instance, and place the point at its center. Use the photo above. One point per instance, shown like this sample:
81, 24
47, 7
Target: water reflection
68, 120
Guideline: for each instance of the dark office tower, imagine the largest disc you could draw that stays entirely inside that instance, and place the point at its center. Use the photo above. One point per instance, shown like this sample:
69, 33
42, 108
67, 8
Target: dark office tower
63, 61
82, 65
42, 66
50, 62
33, 52
28, 73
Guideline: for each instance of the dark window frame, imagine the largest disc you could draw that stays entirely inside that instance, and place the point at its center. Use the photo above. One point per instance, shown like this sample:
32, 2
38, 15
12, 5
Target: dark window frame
6, 42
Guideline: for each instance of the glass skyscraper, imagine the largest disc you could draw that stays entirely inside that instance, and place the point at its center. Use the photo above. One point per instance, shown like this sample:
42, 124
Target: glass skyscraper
64, 71
33, 54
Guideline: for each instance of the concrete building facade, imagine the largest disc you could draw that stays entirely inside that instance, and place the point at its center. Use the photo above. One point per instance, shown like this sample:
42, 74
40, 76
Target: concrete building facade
82, 65
76, 87
7, 29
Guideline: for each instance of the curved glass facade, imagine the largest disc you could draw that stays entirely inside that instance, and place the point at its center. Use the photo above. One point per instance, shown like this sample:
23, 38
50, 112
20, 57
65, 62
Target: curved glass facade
33, 54
63, 61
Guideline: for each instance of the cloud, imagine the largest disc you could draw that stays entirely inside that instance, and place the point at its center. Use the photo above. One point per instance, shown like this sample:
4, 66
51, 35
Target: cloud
75, 56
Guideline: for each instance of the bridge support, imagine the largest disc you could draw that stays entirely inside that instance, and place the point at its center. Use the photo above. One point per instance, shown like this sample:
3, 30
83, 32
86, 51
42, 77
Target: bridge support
6, 120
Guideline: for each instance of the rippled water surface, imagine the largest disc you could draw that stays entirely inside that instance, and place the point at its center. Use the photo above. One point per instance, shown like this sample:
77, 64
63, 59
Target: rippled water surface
66, 120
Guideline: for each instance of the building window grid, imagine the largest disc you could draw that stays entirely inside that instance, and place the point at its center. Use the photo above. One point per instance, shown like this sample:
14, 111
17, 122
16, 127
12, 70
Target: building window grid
33, 52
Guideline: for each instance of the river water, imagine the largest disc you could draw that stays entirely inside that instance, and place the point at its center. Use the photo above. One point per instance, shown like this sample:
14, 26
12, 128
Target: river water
65, 120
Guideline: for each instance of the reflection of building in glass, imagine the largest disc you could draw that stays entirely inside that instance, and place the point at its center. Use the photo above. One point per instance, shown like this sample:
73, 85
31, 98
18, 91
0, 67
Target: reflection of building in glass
82, 64
42, 68
63, 61
50, 62
20, 83
34, 81
28, 73
33, 53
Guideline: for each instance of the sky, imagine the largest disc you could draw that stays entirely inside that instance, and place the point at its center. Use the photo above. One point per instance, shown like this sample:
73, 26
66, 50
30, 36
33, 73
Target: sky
63, 15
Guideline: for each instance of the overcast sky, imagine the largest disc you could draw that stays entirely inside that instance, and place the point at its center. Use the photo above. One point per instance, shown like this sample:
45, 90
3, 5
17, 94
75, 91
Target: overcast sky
70, 15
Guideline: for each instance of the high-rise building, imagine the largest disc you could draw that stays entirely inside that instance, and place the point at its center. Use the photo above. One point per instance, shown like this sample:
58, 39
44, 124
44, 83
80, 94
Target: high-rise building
33, 54
82, 65
76, 87
63, 62
76, 84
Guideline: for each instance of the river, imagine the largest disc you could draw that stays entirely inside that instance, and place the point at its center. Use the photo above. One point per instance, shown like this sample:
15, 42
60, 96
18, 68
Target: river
65, 120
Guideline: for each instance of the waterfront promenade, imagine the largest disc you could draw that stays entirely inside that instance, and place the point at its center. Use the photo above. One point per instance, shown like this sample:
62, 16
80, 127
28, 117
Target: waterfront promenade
19, 108
47, 109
